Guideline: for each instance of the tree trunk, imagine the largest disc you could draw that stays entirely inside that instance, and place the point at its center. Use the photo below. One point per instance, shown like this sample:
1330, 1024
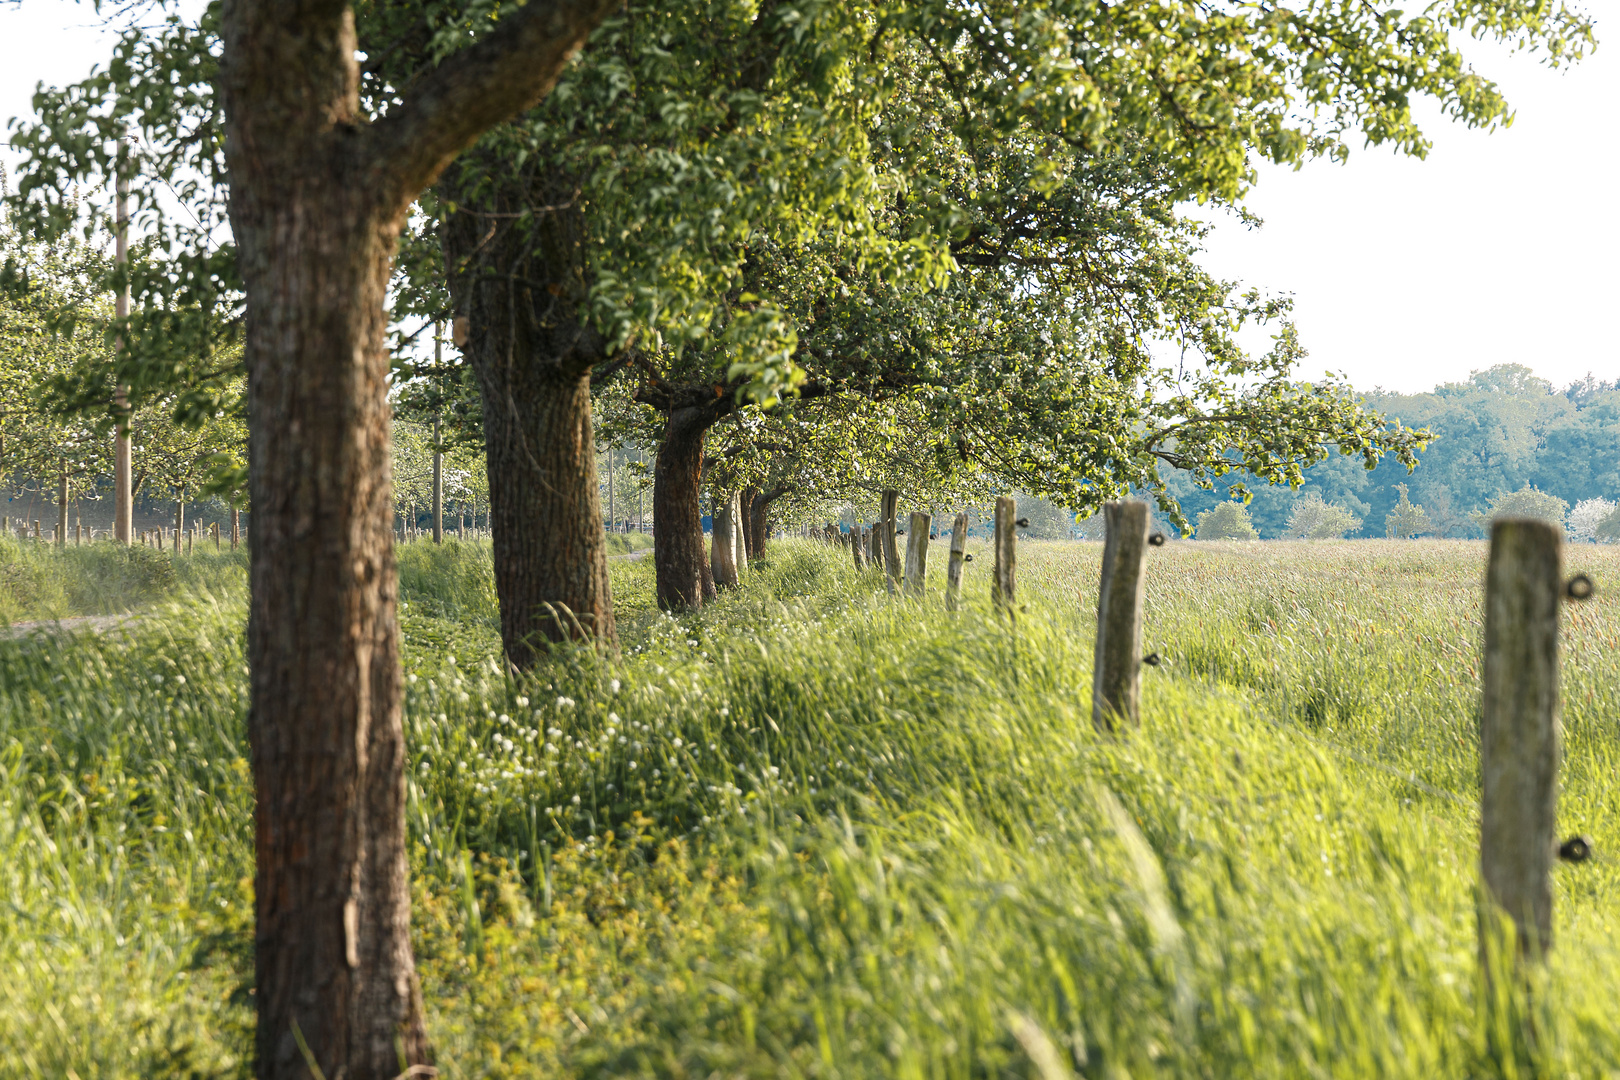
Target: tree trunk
749, 494
723, 543
522, 290
549, 548
684, 577
317, 197
759, 520
739, 550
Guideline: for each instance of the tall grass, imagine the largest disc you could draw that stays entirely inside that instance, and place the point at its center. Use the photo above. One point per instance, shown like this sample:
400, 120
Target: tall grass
816, 831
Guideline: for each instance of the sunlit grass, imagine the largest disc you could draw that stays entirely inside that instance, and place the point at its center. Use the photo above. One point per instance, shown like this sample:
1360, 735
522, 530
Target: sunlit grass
816, 831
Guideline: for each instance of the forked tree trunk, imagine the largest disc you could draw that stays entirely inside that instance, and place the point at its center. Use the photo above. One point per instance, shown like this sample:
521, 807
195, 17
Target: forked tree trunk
317, 198
684, 578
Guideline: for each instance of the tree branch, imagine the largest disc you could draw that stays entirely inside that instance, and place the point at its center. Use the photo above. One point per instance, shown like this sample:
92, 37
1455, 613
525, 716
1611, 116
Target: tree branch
507, 71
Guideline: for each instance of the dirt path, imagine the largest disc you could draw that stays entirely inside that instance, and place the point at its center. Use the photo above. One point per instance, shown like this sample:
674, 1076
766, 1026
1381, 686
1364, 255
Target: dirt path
642, 554
93, 623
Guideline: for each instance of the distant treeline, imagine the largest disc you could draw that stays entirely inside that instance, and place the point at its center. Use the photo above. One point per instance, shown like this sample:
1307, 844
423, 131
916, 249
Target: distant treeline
1502, 429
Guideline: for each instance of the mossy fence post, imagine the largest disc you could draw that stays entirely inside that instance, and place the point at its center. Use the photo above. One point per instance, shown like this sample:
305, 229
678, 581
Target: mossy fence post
891, 550
917, 553
1003, 587
1519, 737
1116, 674
953, 568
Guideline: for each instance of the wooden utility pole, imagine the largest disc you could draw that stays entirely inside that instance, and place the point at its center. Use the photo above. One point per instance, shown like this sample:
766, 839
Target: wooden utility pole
917, 553
953, 569
1116, 680
123, 468
891, 550
438, 455
1004, 587
1519, 737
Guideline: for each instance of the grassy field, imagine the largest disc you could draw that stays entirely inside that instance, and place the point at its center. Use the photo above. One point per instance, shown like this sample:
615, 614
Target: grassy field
816, 832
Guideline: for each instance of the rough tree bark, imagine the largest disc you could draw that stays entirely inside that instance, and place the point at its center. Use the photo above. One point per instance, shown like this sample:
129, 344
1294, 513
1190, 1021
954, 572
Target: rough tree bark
679, 556
520, 290
749, 494
318, 195
759, 518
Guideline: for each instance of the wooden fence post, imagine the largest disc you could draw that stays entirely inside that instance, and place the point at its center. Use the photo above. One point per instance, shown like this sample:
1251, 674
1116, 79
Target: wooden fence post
891, 550
1116, 676
1003, 588
857, 545
236, 527
917, 553
1519, 737
874, 548
953, 569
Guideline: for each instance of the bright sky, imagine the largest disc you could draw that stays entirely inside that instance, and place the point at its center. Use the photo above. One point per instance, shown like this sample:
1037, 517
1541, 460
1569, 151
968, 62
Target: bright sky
1500, 248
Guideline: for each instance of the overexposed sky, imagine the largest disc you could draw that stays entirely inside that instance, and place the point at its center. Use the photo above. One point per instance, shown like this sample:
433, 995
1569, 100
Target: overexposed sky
1501, 247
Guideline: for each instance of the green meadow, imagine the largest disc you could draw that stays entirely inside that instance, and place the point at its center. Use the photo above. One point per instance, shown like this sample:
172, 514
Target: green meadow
815, 831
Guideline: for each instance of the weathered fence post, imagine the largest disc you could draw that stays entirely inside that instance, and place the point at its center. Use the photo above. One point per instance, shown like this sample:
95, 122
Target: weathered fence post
857, 546
1116, 675
1519, 738
1003, 588
917, 553
891, 551
953, 569
236, 527
874, 547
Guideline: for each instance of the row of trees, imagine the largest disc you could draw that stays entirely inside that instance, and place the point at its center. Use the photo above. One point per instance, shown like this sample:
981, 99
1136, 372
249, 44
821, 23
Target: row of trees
794, 245
56, 350
1499, 432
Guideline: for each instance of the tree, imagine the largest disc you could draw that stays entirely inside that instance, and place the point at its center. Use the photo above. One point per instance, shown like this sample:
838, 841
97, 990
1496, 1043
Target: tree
1526, 502
1406, 520
1226, 521
1586, 516
1314, 518
1608, 530
318, 192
